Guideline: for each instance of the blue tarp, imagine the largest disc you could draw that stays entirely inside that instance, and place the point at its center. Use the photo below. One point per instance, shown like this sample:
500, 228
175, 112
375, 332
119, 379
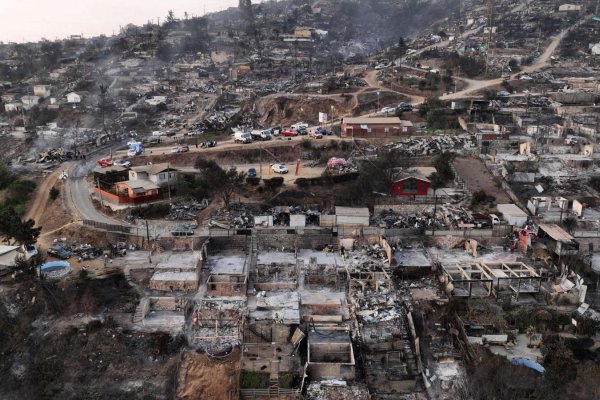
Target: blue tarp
528, 363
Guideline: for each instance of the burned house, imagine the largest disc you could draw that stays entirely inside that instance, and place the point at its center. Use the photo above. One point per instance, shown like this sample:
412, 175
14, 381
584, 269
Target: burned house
557, 240
179, 273
484, 279
330, 355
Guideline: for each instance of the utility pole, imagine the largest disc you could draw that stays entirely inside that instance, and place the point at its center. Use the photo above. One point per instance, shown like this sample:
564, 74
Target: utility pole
76, 138
491, 6
169, 180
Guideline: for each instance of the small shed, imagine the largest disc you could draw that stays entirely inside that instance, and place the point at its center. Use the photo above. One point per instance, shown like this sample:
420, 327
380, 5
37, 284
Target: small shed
513, 214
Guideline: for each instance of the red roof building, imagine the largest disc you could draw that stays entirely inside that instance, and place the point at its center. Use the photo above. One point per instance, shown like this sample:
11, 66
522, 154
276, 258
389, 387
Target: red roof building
375, 127
411, 186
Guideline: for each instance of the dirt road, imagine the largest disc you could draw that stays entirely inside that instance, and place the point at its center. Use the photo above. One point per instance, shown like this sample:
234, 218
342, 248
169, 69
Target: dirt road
477, 177
40, 201
230, 144
540, 63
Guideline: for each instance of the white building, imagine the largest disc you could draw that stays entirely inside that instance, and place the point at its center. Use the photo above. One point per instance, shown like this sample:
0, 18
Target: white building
159, 174
8, 255
42, 90
569, 8
513, 214
8, 107
73, 98
30, 101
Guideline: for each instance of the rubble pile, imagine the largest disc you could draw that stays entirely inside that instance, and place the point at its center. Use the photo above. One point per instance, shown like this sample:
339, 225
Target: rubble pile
235, 216
445, 217
433, 145
538, 101
281, 214
370, 258
186, 210
86, 251
52, 155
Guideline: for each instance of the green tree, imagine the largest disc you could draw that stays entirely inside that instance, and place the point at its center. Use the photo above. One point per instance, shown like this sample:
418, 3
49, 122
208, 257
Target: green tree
223, 183
12, 227
20, 189
6, 177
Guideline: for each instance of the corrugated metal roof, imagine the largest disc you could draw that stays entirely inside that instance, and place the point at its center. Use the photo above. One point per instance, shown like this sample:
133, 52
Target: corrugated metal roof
153, 169
556, 232
140, 184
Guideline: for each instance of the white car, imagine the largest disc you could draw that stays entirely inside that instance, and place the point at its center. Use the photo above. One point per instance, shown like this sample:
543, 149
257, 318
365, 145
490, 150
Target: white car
388, 110
175, 149
279, 169
131, 153
123, 163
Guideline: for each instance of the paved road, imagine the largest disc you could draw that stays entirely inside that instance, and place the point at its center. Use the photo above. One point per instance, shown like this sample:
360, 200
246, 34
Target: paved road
78, 189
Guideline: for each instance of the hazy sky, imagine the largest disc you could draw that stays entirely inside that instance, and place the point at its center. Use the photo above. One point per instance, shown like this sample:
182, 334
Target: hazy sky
30, 20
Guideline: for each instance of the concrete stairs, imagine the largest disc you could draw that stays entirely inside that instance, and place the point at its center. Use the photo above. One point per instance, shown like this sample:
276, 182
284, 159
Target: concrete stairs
138, 316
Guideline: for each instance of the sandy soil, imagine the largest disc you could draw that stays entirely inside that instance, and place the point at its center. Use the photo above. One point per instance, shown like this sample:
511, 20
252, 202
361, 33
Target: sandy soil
477, 177
204, 378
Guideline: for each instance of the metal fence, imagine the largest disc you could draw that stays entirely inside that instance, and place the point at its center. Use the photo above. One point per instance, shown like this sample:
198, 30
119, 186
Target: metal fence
107, 227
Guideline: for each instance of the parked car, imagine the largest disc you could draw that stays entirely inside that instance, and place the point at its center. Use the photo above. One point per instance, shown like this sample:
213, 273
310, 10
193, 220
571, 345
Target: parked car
261, 135
195, 133
302, 131
276, 130
405, 107
105, 162
387, 110
323, 131
159, 133
279, 169
209, 143
184, 148
242, 137
299, 125
289, 133
123, 163
59, 252
131, 153
252, 173
170, 133
315, 134
175, 149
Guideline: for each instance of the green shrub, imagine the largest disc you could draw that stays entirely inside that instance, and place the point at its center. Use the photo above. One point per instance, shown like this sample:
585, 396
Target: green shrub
54, 193
273, 183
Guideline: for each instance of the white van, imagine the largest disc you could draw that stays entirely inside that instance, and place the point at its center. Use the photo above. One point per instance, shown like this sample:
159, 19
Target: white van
299, 125
243, 137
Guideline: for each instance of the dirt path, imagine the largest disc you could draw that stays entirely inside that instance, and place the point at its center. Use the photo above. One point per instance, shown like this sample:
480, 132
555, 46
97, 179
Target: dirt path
40, 201
477, 177
540, 63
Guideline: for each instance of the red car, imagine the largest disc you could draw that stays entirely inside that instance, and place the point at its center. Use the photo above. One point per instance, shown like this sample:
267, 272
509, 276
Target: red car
105, 162
289, 133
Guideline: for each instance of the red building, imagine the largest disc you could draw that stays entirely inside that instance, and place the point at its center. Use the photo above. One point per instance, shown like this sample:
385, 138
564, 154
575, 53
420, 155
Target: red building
411, 186
375, 127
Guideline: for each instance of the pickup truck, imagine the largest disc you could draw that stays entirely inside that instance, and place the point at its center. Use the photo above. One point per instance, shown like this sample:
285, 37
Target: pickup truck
243, 137
261, 135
